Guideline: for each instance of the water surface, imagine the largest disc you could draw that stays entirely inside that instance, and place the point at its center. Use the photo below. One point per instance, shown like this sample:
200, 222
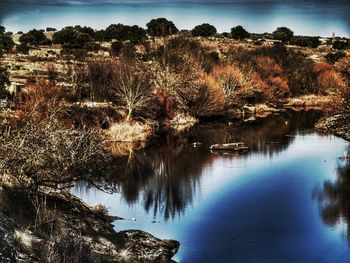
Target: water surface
286, 202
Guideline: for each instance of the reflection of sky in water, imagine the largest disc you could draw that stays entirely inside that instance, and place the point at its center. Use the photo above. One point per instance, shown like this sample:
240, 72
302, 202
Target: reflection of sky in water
252, 208
308, 19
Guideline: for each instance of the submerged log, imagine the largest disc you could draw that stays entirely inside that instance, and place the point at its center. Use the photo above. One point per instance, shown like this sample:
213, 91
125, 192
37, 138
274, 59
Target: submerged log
238, 146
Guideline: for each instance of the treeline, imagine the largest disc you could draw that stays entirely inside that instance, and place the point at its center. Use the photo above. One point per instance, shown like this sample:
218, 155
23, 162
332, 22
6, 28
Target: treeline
87, 39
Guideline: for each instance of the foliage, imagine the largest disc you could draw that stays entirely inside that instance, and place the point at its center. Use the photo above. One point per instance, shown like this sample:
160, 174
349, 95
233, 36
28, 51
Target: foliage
35, 38
161, 27
335, 56
120, 32
71, 38
51, 29
22, 48
283, 34
204, 30
116, 48
340, 44
239, 32
344, 93
6, 43
305, 41
43, 151
4, 81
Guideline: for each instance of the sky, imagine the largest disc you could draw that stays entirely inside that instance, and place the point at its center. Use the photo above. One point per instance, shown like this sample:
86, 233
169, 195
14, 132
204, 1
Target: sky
307, 17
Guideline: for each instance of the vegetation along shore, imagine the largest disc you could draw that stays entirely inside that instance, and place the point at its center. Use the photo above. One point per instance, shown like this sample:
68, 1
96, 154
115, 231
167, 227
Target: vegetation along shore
76, 100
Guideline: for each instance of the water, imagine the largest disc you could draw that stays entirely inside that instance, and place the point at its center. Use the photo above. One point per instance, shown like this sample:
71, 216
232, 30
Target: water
286, 202
305, 17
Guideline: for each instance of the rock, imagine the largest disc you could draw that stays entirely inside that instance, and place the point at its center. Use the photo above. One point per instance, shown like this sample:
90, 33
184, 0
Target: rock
249, 109
7, 250
338, 125
238, 147
139, 246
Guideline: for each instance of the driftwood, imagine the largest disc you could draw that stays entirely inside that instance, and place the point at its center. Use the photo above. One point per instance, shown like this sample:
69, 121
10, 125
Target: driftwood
238, 147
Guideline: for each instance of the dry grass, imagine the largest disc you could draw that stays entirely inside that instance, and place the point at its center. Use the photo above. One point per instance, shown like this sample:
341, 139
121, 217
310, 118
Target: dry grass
310, 101
182, 122
130, 132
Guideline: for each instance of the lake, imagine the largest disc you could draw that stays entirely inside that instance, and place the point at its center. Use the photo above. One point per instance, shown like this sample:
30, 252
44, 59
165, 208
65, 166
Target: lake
287, 200
308, 17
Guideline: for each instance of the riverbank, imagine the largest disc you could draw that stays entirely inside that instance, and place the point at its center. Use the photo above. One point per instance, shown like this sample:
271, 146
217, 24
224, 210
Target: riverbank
338, 125
63, 227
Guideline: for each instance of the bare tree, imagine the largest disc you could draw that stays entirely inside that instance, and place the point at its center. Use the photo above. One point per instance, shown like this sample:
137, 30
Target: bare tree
132, 88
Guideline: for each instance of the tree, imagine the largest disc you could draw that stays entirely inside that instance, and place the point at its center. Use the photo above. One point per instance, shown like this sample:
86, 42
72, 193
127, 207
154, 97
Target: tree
340, 45
161, 27
283, 34
74, 42
116, 48
120, 32
239, 32
22, 48
4, 81
305, 41
132, 88
6, 43
35, 38
204, 30
51, 29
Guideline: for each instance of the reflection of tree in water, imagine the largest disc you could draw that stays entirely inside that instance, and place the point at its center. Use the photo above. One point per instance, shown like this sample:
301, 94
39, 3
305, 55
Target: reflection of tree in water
167, 175
334, 198
166, 178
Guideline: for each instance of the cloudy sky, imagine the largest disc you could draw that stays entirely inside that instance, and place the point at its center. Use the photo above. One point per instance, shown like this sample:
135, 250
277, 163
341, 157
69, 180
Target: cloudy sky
310, 17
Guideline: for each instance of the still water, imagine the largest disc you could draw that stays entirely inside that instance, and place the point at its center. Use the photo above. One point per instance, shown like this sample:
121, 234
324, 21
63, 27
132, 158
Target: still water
305, 17
282, 202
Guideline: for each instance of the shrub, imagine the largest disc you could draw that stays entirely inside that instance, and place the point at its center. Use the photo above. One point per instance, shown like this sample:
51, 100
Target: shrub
4, 82
204, 100
335, 56
232, 82
116, 48
283, 34
6, 43
35, 38
22, 48
344, 93
305, 41
120, 32
239, 32
340, 45
161, 27
204, 30
51, 29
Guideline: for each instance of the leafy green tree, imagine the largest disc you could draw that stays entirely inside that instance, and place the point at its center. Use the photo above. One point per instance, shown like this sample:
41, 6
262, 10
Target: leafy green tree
120, 32
305, 41
6, 43
22, 48
239, 32
4, 82
340, 45
70, 38
85, 30
283, 34
35, 38
51, 29
116, 48
204, 30
161, 27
